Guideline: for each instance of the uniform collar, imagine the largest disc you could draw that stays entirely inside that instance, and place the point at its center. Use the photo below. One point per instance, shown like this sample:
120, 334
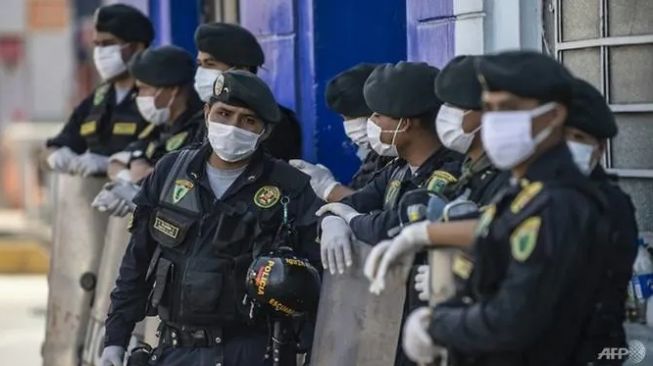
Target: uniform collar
426, 169
197, 170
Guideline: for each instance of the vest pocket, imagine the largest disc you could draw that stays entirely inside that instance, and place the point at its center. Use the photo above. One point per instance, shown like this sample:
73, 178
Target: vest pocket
208, 291
169, 228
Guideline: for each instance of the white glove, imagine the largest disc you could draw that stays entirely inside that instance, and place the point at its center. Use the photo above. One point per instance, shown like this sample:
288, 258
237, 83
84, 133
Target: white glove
116, 198
347, 213
398, 251
125, 192
106, 200
422, 282
89, 164
335, 244
322, 179
112, 356
417, 342
60, 159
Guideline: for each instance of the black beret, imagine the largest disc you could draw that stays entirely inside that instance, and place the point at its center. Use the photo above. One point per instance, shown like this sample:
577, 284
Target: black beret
344, 93
229, 43
589, 112
526, 74
163, 66
244, 89
402, 90
458, 85
124, 22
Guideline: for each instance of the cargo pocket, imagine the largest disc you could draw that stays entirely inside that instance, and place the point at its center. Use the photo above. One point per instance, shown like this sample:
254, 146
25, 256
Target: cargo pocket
208, 291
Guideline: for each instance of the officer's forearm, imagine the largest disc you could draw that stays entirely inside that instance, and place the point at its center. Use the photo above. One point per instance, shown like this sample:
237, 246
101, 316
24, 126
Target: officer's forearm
339, 192
454, 233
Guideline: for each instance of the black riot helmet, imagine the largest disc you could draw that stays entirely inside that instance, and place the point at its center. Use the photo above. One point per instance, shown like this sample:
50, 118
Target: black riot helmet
283, 284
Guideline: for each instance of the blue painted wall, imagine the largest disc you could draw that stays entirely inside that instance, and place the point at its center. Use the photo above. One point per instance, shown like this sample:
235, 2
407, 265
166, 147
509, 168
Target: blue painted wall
430, 31
347, 33
306, 43
175, 22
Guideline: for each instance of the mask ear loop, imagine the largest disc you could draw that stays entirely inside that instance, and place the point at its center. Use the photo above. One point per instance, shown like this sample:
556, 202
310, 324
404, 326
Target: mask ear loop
546, 131
394, 136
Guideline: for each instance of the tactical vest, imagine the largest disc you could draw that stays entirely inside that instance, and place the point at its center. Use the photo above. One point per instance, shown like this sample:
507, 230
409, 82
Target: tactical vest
109, 128
202, 282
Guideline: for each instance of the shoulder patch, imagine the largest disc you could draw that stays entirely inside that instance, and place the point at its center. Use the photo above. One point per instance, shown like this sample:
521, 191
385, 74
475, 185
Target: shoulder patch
174, 142
524, 238
267, 196
525, 196
182, 187
100, 94
439, 180
486, 219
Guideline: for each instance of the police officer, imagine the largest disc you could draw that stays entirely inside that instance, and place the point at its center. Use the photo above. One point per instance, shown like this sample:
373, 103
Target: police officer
588, 127
201, 217
404, 106
539, 247
458, 124
167, 100
222, 47
344, 95
108, 120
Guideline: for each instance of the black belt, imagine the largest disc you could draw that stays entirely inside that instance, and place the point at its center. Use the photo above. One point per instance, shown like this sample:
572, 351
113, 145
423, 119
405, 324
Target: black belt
190, 337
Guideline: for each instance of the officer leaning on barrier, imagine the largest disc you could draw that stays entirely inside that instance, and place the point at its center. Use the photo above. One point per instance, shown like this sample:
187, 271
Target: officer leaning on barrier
344, 95
539, 248
201, 217
404, 106
107, 120
166, 99
223, 47
588, 127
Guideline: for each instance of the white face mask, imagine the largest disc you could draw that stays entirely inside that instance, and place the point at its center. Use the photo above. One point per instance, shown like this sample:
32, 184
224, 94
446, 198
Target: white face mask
582, 155
507, 135
150, 112
374, 135
108, 61
231, 143
449, 124
356, 130
204, 79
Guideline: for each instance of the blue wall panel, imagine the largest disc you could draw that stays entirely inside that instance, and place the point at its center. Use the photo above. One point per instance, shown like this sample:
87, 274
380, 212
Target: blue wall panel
347, 33
430, 30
